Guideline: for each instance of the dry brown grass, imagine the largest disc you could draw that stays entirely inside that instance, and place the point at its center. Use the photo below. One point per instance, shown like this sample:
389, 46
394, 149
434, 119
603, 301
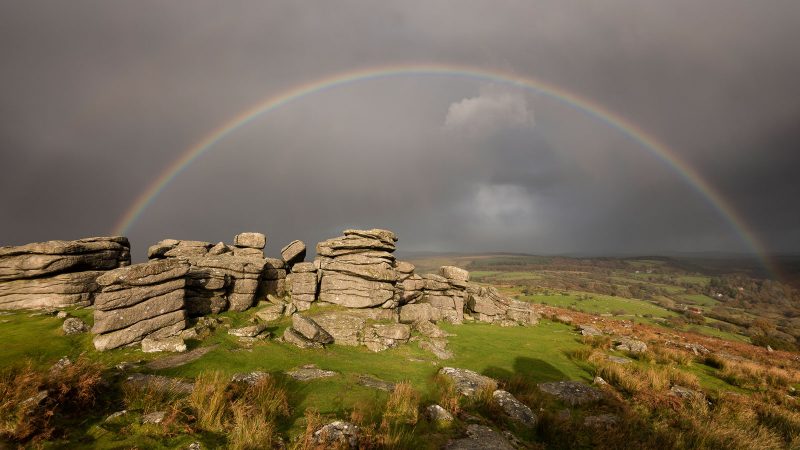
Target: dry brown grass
402, 407
446, 394
250, 430
209, 400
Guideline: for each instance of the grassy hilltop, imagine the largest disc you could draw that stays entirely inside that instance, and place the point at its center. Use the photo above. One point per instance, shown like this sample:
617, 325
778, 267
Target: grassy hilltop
704, 334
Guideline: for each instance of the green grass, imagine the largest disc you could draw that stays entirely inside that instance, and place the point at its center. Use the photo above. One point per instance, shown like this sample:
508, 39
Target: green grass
700, 300
699, 280
601, 304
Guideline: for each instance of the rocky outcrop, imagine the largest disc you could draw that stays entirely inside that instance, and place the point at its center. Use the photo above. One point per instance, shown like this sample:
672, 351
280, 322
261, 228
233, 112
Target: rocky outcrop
486, 304
302, 286
357, 269
338, 434
467, 382
573, 393
223, 277
138, 301
56, 274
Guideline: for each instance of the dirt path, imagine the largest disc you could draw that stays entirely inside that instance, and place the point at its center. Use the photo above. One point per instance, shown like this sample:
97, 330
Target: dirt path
179, 359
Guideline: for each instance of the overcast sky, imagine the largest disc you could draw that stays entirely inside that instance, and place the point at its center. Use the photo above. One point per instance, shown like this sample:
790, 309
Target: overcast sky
98, 98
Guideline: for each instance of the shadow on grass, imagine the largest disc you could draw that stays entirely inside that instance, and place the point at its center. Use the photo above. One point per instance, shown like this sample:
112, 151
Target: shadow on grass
535, 370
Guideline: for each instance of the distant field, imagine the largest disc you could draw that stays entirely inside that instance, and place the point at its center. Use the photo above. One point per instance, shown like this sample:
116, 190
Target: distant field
601, 304
700, 299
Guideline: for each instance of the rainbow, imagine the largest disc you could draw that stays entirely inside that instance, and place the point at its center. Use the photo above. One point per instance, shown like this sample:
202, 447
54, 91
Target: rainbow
572, 100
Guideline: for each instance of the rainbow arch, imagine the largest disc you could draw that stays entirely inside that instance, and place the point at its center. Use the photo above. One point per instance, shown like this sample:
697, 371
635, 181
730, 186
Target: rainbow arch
572, 100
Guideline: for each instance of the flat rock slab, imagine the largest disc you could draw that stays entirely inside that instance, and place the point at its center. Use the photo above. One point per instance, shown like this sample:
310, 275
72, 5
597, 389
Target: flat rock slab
619, 359
250, 378
310, 372
467, 382
179, 360
572, 392
480, 437
375, 383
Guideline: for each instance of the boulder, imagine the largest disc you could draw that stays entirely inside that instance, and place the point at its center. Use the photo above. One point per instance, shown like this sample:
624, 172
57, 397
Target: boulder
344, 327
73, 325
416, 313
514, 409
453, 273
467, 382
291, 336
170, 344
271, 312
170, 324
589, 330
248, 331
626, 344
311, 330
293, 253
436, 413
338, 434
250, 240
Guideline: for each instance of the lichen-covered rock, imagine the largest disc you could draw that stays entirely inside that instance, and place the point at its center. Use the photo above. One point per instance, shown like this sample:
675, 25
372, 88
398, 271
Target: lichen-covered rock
436, 413
346, 328
480, 437
417, 312
629, 345
293, 253
514, 408
170, 344
291, 336
337, 434
56, 274
311, 330
250, 240
74, 325
310, 372
467, 382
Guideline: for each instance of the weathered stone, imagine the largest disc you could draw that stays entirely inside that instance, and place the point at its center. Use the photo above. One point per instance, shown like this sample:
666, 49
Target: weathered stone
686, 393
311, 330
374, 383
248, 331
629, 345
271, 313
589, 330
416, 312
304, 267
430, 330
250, 240
162, 326
480, 437
515, 409
346, 328
246, 252
404, 267
220, 248
53, 291
73, 325
53, 257
377, 314
117, 319
338, 434
121, 298
154, 417
436, 413
435, 282
440, 351
310, 372
376, 233
152, 272
293, 337
618, 359
302, 286
250, 378
294, 252
573, 393
453, 273
354, 292
605, 421
170, 344
395, 331
467, 382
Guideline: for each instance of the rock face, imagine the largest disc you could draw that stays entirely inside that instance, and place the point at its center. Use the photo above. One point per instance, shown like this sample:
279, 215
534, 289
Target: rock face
486, 304
357, 269
302, 286
138, 301
223, 277
57, 274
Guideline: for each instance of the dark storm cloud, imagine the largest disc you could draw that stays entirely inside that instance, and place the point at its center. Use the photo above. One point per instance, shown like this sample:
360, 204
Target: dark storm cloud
97, 98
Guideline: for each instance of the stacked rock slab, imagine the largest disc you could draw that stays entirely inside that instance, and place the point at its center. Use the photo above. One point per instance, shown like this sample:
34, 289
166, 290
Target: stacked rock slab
486, 304
358, 269
57, 274
224, 277
139, 301
293, 253
301, 285
374, 328
446, 293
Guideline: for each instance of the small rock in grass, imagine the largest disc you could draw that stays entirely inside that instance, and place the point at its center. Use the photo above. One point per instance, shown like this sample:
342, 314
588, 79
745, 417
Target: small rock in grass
170, 344
436, 413
310, 372
73, 325
338, 434
154, 417
514, 408
116, 415
249, 331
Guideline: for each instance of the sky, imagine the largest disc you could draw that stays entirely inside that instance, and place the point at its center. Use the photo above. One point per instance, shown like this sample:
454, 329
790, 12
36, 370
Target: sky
98, 98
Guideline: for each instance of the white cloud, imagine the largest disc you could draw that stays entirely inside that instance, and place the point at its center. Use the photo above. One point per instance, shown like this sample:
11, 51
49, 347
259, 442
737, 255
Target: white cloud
492, 110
